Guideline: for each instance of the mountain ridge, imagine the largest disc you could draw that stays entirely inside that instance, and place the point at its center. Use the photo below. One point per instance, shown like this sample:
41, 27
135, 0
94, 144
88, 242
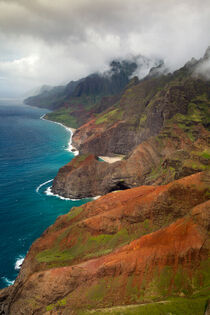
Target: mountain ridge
79, 100
143, 246
160, 124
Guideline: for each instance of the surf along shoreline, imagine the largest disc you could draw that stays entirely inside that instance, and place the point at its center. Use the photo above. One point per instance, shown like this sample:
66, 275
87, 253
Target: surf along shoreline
73, 150
70, 147
20, 258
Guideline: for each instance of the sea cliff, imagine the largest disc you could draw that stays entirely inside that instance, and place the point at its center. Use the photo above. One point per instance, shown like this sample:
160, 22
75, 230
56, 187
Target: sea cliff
160, 125
143, 245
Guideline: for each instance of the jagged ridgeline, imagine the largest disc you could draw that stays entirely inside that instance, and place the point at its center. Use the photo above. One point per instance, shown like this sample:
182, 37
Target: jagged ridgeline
145, 107
161, 126
76, 101
143, 250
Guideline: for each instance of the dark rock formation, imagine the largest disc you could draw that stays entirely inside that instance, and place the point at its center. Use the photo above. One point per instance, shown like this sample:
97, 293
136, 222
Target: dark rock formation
86, 176
143, 110
159, 160
142, 244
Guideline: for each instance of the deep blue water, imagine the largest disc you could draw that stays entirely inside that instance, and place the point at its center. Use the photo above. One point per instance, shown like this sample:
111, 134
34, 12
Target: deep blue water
31, 152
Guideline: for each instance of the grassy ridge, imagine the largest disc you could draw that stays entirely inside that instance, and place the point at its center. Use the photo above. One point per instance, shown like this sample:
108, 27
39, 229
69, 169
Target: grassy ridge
63, 116
175, 306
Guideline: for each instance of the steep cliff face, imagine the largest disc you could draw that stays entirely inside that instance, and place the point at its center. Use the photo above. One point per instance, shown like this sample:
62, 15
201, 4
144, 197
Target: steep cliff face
86, 176
144, 244
160, 123
72, 180
144, 108
180, 149
76, 102
141, 245
142, 111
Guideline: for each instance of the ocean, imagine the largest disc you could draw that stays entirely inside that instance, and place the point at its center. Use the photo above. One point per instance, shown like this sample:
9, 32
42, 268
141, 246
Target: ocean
31, 152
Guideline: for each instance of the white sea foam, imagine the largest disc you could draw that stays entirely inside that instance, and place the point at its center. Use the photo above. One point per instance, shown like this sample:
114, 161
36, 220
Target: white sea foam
69, 148
42, 117
19, 262
96, 197
49, 192
7, 281
43, 184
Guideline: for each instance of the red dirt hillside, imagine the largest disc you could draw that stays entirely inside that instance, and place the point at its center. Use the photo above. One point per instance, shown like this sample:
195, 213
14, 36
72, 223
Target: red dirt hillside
145, 244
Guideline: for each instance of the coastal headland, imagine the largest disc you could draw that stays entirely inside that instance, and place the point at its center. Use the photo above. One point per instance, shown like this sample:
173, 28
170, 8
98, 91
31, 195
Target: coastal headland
143, 246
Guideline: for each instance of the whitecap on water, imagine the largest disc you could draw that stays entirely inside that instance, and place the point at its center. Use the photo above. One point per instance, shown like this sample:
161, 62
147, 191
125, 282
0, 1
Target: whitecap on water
69, 148
96, 197
49, 192
19, 262
43, 184
7, 281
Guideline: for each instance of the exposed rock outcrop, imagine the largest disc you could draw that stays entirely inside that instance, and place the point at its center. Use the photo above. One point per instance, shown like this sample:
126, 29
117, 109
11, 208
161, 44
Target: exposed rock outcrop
171, 155
142, 111
160, 123
86, 176
145, 244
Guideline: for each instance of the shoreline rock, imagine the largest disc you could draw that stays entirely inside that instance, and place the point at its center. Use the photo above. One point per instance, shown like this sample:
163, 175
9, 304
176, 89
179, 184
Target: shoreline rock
159, 160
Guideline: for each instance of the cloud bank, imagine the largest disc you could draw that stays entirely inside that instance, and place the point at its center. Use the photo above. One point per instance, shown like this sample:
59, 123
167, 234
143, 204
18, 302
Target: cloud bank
52, 42
203, 68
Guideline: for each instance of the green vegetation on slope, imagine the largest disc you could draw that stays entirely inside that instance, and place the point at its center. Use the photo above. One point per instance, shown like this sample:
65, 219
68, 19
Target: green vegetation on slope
63, 116
80, 97
110, 117
87, 246
180, 292
175, 306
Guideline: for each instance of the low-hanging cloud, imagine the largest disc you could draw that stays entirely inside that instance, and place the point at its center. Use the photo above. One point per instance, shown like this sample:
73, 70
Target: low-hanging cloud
52, 42
202, 69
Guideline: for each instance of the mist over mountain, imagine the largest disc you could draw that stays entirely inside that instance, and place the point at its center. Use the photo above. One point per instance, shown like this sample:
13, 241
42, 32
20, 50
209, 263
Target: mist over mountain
51, 43
99, 84
141, 247
203, 68
130, 83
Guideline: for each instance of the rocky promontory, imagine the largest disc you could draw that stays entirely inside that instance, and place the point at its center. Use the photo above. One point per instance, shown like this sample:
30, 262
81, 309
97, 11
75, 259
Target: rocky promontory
143, 246
143, 110
159, 160
161, 126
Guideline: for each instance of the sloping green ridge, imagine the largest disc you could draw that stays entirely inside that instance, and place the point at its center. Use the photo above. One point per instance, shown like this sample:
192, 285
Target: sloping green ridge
176, 306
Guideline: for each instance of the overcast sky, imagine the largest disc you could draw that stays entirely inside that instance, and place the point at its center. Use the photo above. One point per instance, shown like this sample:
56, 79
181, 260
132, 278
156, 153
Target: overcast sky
52, 42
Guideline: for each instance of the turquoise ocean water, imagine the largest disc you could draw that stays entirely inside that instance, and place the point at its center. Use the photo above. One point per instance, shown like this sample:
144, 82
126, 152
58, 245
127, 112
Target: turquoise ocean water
31, 152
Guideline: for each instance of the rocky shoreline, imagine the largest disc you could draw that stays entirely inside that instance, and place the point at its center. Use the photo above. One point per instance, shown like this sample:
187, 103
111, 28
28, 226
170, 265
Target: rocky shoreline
158, 160
146, 239
160, 126
70, 147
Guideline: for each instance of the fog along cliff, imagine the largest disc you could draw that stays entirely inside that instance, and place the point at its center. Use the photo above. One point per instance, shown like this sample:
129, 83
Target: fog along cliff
143, 246
160, 125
